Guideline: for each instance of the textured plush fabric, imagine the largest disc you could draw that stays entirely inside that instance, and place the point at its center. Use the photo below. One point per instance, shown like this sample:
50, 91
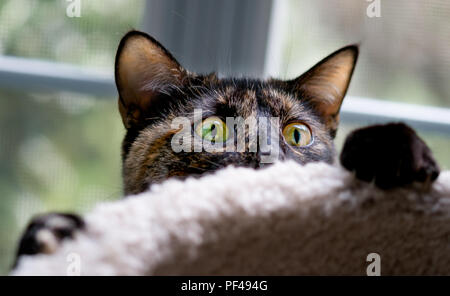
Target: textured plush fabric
283, 220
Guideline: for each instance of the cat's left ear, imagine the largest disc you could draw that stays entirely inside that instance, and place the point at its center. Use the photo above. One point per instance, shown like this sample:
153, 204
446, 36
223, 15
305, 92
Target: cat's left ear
145, 71
326, 83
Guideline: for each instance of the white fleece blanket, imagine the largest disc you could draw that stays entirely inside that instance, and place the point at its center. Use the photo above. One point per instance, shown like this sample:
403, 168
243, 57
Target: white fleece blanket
283, 220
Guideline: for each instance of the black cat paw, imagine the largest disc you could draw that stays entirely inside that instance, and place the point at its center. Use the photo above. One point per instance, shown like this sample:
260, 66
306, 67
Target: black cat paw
45, 233
391, 155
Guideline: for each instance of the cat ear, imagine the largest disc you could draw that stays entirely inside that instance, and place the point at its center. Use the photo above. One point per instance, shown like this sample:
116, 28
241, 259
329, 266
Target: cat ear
325, 84
144, 72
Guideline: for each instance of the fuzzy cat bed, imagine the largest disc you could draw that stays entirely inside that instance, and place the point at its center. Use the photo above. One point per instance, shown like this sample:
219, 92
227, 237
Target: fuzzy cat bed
283, 220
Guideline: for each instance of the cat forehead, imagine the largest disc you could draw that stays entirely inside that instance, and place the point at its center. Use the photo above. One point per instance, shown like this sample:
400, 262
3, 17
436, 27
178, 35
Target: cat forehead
252, 98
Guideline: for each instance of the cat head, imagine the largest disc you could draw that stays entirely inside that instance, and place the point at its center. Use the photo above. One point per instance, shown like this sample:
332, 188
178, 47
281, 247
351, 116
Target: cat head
180, 123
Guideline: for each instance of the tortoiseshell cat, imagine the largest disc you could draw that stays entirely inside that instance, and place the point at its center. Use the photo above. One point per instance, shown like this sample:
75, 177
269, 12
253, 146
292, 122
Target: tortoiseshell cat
154, 89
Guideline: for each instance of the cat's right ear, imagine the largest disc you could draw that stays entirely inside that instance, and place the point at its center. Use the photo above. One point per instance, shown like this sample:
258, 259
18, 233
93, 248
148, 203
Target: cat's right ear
144, 72
325, 84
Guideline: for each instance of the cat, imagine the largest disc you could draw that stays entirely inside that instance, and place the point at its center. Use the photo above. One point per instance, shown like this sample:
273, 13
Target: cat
154, 90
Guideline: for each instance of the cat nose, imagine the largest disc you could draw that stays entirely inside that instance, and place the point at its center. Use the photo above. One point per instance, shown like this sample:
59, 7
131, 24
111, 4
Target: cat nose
268, 146
264, 159
262, 165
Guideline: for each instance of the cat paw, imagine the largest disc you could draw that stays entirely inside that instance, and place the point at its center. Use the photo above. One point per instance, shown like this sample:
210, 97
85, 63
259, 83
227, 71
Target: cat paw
45, 233
391, 155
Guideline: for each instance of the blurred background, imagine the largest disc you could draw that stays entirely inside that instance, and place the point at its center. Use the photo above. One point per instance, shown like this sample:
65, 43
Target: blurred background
60, 132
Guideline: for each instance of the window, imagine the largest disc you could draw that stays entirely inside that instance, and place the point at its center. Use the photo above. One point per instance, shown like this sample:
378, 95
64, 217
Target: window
404, 57
59, 149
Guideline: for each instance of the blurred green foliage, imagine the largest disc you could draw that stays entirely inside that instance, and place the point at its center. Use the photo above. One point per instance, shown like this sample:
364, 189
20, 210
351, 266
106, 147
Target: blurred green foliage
404, 54
58, 151
41, 29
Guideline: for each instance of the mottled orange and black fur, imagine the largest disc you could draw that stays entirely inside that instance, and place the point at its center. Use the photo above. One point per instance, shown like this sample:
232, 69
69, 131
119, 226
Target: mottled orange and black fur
154, 89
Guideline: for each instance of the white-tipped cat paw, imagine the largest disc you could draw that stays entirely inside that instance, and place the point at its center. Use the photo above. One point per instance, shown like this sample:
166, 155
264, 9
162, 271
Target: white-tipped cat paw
45, 233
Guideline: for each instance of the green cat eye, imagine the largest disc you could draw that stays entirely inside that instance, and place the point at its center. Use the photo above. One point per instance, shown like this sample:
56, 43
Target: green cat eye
297, 134
212, 129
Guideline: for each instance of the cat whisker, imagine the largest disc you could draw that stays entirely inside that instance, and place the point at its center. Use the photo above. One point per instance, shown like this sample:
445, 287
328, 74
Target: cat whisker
152, 118
198, 168
212, 162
